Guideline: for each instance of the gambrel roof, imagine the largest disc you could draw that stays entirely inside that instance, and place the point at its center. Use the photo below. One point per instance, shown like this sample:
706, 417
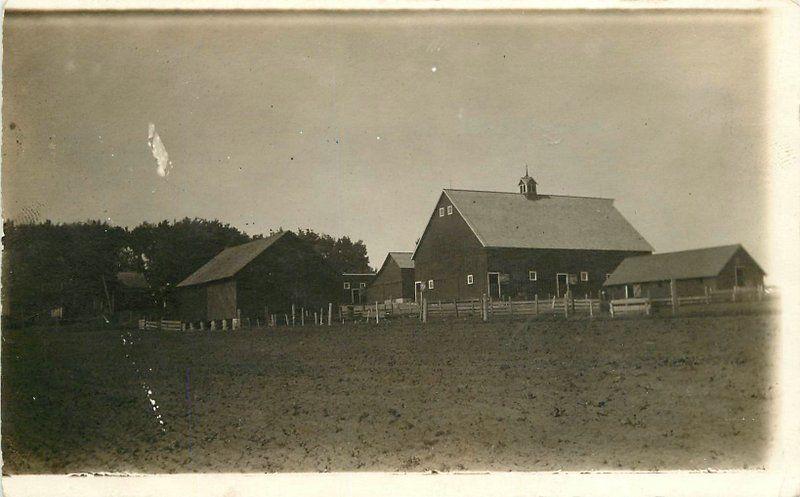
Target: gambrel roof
231, 260
686, 264
512, 220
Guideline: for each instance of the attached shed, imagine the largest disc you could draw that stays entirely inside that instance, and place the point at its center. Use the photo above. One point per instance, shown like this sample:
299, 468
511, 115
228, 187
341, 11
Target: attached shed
252, 280
694, 273
395, 280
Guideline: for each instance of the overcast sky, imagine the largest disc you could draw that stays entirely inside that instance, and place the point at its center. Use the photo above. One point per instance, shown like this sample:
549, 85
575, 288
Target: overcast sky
351, 124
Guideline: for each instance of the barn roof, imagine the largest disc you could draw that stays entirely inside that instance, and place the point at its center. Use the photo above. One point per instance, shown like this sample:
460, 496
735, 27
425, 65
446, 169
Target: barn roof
698, 263
501, 219
403, 259
132, 279
230, 261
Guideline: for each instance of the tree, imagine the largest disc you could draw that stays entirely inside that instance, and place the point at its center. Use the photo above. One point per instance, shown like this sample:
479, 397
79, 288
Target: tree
344, 255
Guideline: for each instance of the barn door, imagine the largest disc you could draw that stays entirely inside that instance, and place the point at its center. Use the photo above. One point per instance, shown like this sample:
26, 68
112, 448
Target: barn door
562, 284
494, 285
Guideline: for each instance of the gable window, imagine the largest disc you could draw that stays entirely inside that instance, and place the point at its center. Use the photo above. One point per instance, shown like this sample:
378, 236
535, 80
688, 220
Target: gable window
441, 211
363, 285
347, 285
470, 279
608, 275
449, 210
430, 284
584, 275
532, 276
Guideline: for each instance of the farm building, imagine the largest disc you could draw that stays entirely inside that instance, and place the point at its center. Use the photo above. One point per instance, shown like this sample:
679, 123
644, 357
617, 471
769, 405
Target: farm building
520, 245
395, 280
131, 293
265, 276
354, 287
694, 271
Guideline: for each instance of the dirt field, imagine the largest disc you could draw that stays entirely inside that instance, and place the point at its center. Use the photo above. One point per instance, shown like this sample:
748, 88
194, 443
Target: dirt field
657, 393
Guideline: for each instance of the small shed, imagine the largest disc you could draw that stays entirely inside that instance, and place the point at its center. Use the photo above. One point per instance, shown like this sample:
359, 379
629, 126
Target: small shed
130, 292
354, 287
259, 278
694, 271
395, 279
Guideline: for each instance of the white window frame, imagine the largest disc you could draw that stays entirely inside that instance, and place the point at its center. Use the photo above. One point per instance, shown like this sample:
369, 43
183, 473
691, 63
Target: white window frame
347, 285
586, 274
449, 210
470, 279
430, 284
362, 285
441, 211
608, 275
532, 272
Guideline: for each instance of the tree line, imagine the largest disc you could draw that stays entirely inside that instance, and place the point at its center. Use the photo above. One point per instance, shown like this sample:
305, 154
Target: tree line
47, 265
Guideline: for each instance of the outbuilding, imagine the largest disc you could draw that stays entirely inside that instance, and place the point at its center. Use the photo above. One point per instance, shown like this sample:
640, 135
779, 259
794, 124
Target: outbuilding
259, 278
354, 287
692, 272
395, 279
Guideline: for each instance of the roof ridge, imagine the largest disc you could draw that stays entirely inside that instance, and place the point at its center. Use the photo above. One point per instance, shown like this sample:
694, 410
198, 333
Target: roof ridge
728, 245
515, 193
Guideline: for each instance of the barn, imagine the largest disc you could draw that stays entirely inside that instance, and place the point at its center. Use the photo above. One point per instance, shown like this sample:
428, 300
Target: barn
395, 279
521, 244
354, 287
258, 278
694, 272
131, 293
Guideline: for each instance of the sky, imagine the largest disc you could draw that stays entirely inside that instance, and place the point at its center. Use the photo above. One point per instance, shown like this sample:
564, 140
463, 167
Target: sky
352, 124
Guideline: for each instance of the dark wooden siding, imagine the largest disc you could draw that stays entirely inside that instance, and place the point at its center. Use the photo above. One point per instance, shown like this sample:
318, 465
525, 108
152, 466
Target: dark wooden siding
516, 263
753, 275
221, 299
447, 253
192, 303
355, 280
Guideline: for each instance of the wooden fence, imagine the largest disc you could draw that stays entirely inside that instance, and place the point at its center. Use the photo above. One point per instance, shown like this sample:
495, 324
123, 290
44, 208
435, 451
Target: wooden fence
475, 308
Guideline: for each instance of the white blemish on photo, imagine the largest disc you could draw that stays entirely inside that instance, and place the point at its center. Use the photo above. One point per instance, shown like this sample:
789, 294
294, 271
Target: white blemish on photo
164, 165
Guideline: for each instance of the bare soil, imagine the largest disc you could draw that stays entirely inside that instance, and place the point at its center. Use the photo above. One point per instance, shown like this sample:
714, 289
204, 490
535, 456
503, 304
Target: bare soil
546, 394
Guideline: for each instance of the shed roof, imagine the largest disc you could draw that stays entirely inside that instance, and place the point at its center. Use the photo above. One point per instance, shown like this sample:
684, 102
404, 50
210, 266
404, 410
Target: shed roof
698, 263
230, 261
501, 219
403, 259
132, 279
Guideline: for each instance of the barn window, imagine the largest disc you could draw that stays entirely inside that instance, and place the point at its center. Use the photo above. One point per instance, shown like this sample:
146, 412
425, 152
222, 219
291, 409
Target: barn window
470, 279
584, 275
363, 285
449, 209
608, 275
347, 285
532, 276
430, 284
441, 211
523, 188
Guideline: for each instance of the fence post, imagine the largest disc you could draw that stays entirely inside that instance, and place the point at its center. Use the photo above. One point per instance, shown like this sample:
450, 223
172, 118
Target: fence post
292, 314
566, 304
536, 304
424, 310
733, 294
708, 300
286, 319
377, 314
330, 313
673, 295
484, 311
591, 306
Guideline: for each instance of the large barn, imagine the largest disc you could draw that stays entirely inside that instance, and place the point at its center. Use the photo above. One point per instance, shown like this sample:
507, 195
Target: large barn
395, 280
265, 276
694, 272
520, 245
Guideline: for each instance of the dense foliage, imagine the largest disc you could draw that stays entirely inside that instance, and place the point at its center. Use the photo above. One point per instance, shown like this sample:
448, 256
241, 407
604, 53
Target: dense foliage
46, 265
